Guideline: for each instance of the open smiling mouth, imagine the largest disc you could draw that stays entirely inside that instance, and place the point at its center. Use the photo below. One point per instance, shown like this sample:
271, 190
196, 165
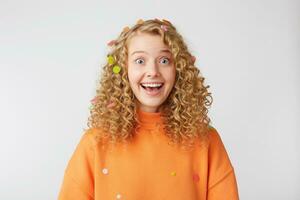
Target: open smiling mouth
152, 90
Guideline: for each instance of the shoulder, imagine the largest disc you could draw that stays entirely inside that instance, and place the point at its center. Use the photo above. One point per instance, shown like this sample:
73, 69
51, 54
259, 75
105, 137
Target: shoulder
95, 136
214, 136
221, 171
88, 137
217, 150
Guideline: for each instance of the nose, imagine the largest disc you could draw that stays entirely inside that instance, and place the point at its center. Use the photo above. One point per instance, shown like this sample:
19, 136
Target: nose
152, 69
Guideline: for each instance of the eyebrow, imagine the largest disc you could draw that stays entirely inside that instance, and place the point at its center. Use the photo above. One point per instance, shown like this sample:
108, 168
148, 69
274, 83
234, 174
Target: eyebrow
161, 51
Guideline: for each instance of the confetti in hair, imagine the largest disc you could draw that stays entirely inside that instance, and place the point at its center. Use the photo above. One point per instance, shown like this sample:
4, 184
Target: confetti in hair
111, 43
164, 27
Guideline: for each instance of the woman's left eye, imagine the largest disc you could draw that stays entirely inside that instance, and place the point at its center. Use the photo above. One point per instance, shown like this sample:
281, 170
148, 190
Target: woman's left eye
165, 59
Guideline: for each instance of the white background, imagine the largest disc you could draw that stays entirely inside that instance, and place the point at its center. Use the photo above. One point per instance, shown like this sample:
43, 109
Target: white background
51, 53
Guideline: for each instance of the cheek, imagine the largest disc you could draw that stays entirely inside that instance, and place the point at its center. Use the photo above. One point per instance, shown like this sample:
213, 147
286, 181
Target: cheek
133, 76
170, 75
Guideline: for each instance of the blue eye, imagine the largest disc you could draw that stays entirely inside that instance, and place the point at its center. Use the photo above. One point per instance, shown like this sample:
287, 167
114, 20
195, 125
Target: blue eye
138, 60
167, 60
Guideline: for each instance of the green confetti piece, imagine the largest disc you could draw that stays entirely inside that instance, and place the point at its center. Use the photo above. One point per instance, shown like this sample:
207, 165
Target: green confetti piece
110, 59
116, 69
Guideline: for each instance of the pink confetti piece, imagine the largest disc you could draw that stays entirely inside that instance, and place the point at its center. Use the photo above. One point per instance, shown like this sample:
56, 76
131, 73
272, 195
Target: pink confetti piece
193, 58
94, 100
111, 43
196, 177
111, 104
164, 27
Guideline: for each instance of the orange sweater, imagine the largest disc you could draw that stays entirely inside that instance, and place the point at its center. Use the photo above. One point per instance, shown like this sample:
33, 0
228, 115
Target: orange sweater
150, 169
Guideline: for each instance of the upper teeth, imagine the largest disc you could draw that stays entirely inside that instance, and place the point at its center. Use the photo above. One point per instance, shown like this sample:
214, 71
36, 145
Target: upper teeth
151, 84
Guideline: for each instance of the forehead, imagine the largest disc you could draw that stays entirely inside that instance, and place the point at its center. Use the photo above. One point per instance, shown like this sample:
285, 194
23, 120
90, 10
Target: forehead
146, 43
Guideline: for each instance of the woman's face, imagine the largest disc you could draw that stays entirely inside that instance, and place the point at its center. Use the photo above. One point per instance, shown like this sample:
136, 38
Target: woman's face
150, 61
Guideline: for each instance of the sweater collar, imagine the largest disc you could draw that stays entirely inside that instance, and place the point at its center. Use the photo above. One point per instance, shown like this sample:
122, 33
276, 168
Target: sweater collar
149, 119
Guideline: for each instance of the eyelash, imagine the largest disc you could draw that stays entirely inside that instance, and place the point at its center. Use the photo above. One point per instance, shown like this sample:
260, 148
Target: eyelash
163, 58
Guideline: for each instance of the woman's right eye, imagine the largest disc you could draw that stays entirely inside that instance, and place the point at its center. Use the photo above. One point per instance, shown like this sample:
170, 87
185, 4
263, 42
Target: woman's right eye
139, 61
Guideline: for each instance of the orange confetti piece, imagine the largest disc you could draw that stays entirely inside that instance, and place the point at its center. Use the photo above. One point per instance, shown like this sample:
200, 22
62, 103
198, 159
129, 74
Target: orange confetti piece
125, 29
140, 21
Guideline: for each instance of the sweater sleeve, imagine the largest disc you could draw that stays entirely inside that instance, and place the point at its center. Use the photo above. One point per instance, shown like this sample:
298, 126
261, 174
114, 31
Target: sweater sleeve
78, 180
222, 184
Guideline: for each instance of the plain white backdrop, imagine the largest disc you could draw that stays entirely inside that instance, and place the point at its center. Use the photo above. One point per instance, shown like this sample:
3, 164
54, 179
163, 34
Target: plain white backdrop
51, 53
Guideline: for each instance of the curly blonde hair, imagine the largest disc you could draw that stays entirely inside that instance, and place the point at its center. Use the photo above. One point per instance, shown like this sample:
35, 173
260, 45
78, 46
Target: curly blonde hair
185, 110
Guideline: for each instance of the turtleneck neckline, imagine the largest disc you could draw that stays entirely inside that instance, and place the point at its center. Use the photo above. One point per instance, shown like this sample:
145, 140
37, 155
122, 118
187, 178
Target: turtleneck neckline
149, 119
